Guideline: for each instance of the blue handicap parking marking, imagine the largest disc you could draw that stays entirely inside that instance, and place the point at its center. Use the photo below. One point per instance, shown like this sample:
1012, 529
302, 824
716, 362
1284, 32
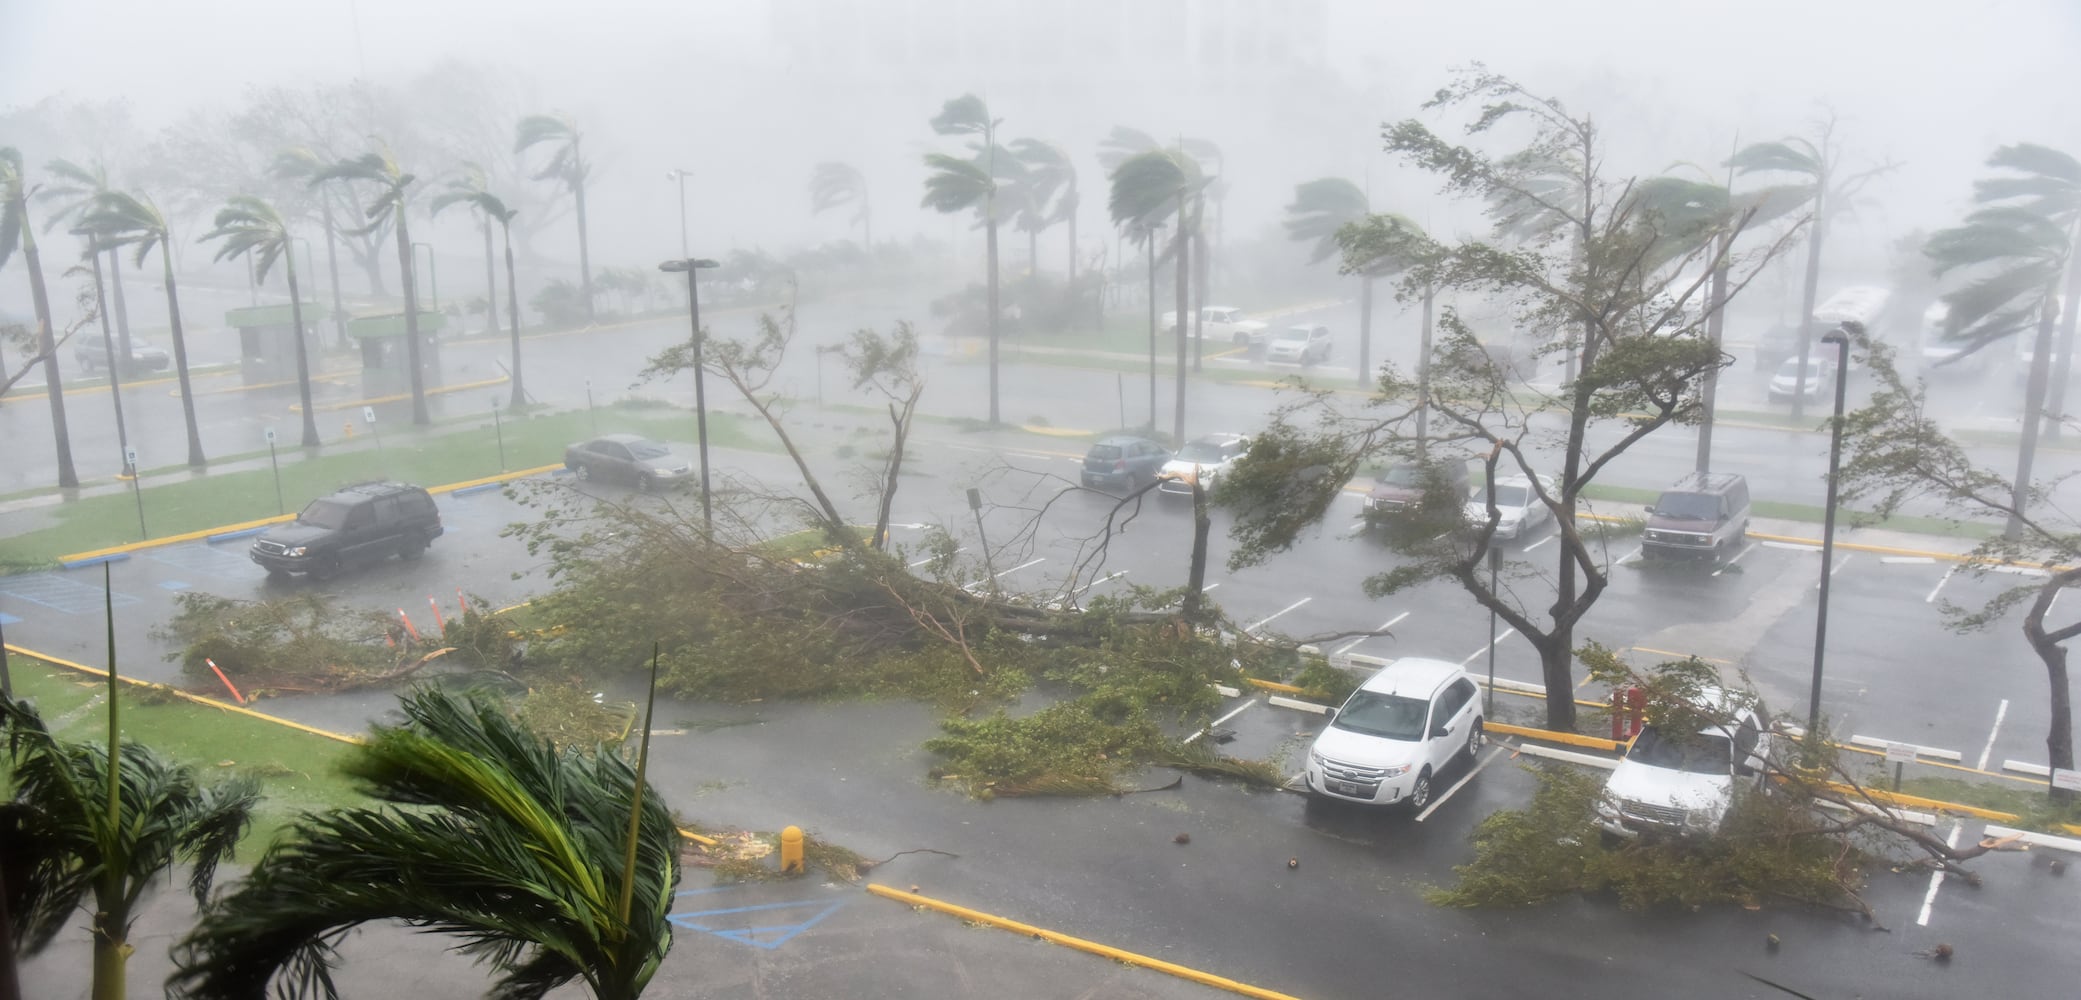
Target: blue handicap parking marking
57, 593
736, 923
7, 619
173, 584
208, 559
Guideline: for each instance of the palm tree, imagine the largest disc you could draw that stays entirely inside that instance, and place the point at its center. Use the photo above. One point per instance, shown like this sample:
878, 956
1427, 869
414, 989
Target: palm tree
1818, 165
566, 164
2048, 182
2018, 256
392, 186
1320, 208
74, 192
486, 204
251, 228
1051, 182
106, 833
475, 181
1146, 189
123, 219
15, 230
958, 185
489, 833
833, 184
301, 164
1382, 245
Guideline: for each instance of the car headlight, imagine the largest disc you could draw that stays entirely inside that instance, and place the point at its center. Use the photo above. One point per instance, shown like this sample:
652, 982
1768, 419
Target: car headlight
1698, 819
1315, 758
294, 553
1607, 808
1395, 771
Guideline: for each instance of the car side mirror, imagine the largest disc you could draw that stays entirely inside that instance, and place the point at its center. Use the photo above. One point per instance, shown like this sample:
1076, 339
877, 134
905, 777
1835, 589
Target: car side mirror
1649, 509
1744, 770
1329, 715
1441, 732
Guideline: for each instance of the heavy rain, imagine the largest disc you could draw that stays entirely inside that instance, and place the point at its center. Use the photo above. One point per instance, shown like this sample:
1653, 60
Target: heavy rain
820, 498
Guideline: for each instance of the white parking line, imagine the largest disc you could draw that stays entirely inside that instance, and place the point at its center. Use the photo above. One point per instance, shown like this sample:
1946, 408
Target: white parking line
2049, 605
1936, 879
1462, 783
1240, 709
1794, 546
2020, 570
1988, 751
1356, 527
1628, 558
1538, 543
1931, 599
1839, 564
999, 575
1751, 547
1384, 626
1907, 560
1262, 622
928, 559
1109, 576
1507, 633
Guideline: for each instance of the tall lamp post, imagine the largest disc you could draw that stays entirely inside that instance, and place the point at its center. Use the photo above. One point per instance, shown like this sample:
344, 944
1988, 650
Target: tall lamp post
692, 265
1153, 229
108, 347
679, 176
1840, 337
433, 277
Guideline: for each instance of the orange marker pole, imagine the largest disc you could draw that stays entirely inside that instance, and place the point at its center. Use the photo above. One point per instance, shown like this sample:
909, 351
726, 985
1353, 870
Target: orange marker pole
408, 624
241, 699
462, 607
438, 623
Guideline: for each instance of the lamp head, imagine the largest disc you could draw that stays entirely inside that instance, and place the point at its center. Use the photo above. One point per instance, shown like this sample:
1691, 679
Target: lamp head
676, 266
1844, 332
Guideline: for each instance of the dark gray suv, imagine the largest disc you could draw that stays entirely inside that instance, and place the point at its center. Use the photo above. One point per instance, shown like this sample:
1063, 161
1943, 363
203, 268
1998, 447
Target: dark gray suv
359, 524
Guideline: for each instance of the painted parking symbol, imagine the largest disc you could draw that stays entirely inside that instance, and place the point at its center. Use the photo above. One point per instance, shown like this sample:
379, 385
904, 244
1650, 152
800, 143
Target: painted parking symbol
208, 560
59, 594
752, 925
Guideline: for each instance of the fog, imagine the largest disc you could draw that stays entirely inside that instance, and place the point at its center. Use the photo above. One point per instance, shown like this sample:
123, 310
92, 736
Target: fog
748, 97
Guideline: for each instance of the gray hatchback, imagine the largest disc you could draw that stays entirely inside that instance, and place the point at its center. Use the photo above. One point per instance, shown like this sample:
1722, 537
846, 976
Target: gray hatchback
1121, 461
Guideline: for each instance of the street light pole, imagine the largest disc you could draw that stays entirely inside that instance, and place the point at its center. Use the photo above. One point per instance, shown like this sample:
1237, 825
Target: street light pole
1840, 337
433, 276
692, 265
1154, 228
676, 174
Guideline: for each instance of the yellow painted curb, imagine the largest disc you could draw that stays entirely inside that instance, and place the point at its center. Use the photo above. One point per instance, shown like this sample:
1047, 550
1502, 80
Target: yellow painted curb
1060, 432
1552, 736
189, 536
401, 396
1088, 947
183, 695
1274, 686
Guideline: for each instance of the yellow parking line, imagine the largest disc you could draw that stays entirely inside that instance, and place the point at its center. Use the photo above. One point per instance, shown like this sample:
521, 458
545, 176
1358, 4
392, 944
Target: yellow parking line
1080, 944
183, 695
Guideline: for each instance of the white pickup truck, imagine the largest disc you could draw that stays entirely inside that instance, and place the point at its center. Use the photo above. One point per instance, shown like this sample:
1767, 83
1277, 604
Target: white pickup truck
1222, 323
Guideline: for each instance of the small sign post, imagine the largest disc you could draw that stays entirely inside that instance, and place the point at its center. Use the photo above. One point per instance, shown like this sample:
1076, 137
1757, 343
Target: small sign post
276, 467
1900, 755
500, 431
136, 474
368, 416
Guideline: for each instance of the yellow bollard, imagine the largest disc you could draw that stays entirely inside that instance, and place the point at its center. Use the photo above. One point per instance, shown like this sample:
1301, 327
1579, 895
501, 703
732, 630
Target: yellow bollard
347, 429
791, 850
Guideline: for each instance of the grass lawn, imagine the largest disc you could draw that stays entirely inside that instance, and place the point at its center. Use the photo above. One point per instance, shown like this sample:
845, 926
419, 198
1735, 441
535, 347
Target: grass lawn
298, 772
446, 454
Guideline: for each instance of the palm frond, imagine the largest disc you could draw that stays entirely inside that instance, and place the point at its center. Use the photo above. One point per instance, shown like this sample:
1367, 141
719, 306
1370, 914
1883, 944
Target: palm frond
1123, 144
833, 184
964, 115
11, 209
1385, 243
955, 184
120, 218
1321, 207
535, 129
1146, 187
1795, 156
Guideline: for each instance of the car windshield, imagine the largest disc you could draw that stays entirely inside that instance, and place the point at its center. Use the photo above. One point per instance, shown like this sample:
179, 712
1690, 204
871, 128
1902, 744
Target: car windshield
1104, 452
1293, 336
324, 514
1705, 753
1790, 369
1689, 506
1507, 496
1201, 452
1404, 475
646, 448
1389, 716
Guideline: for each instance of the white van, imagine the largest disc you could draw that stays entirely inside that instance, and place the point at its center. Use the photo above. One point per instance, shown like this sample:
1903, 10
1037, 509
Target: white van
1941, 357
1864, 305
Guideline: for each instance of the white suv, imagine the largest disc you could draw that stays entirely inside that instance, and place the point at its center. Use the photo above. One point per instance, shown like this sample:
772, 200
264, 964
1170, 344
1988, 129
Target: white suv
1204, 459
1395, 733
1685, 788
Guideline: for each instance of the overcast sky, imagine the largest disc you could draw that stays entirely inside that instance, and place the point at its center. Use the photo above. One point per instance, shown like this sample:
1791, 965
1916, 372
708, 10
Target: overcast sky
1932, 85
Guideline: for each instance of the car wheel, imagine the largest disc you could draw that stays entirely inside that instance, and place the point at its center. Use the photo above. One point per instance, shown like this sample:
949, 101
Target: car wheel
1242, 340
1610, 841
411, 548
86, 364
277, 575
644, 482
1420, 793
325, 568
584, 471
1474, 739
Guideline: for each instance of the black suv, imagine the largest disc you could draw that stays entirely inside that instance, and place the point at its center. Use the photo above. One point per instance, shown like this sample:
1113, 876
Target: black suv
361, 523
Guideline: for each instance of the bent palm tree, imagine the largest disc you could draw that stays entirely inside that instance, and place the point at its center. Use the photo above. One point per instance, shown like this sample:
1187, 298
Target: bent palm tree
958, 185
14, 230
123, 219
566, 164
834, 184
76, 188
489, 833
492, 209
251, 228
475, 181
1384, 244
91, 831
1320, 209
2048, 182
393, 185
1051, 184
301, 164
1146, 189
